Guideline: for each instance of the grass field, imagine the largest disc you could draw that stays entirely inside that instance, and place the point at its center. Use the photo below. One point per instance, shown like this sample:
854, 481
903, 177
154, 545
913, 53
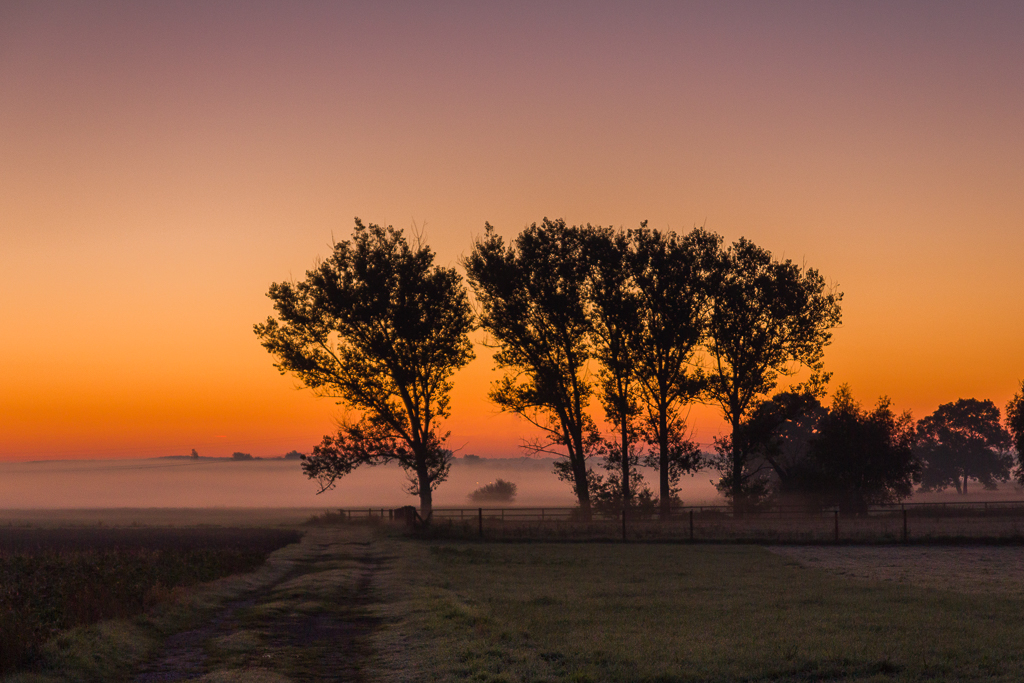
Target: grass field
610, 612
366, 603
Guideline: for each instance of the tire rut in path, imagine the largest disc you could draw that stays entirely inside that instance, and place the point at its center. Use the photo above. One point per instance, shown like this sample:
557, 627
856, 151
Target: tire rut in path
330, 644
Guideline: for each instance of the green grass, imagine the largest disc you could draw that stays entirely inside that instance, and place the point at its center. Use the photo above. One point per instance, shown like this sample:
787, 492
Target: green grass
609, 612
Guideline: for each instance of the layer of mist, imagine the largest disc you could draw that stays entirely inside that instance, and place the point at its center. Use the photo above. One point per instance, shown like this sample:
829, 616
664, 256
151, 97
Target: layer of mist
225, 483
186, 483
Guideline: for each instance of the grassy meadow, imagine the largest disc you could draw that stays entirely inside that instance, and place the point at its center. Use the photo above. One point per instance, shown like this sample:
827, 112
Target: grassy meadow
612, 612
366, 602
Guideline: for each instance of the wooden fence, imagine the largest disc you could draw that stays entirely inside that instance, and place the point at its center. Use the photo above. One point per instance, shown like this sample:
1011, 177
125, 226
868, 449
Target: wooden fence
990, 521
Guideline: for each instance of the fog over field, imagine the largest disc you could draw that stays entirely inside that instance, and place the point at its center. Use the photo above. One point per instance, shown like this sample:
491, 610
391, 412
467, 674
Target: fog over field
210, 482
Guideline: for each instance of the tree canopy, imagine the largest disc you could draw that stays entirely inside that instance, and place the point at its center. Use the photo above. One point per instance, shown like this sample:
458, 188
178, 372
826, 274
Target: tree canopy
960, 441
379, 328
767, 319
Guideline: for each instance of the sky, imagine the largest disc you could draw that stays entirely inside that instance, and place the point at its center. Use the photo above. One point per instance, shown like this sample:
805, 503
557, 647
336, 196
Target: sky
161, 164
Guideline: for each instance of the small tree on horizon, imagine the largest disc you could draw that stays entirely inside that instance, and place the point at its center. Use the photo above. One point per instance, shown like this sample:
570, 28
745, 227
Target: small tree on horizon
381, 329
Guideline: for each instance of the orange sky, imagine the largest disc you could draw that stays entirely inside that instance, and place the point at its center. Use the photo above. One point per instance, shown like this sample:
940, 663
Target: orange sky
162, 163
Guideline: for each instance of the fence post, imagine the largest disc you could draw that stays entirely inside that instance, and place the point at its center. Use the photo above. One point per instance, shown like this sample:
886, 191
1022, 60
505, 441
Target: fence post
837, 526
904, 525
480, 519
691, 525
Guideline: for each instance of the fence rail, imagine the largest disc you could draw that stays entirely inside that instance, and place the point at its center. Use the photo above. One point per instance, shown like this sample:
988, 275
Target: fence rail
905, 522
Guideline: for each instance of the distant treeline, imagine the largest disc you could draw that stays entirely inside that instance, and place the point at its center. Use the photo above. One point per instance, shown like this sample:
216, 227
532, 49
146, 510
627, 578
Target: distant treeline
645, 321
237, 455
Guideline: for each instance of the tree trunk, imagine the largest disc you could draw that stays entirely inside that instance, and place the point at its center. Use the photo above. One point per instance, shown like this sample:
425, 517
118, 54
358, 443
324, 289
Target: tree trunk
579, 472
736, 476
666, 492
965, 483
426, 495
625, 464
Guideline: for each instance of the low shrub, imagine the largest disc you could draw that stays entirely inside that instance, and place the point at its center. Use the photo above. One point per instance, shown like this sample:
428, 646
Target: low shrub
498, 491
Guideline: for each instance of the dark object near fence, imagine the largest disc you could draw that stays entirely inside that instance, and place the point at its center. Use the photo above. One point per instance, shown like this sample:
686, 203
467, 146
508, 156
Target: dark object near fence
406, 514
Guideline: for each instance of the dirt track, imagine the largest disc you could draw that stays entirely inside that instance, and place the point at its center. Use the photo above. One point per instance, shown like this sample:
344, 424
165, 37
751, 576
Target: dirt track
309, 618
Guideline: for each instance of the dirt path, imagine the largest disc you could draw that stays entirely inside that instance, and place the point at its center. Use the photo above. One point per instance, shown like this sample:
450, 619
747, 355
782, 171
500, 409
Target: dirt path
309, 617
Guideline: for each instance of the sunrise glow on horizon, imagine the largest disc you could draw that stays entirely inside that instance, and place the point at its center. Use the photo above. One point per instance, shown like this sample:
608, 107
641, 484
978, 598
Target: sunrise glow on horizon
162, 164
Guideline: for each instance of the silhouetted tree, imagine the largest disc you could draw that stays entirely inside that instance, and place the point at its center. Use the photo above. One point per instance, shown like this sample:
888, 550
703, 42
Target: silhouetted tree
615, 310
1015, 425
238, 455
767, 318
532, 299
860, 458
961, 441
776, 436
670, 274
380, 328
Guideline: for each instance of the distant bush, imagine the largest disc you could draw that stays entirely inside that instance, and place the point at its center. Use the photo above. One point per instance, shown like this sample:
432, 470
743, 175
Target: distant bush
498, 491
293, 455
241, 456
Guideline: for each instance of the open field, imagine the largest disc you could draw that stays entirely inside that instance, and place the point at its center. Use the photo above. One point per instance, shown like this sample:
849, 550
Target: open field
364, 602
612, 612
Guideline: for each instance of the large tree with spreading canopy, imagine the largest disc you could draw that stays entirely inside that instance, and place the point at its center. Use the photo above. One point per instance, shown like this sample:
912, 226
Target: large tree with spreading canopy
381, 329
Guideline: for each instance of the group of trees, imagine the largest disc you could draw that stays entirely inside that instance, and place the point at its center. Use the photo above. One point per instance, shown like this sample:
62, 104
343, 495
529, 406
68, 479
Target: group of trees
804, 453
639, 306
574, 313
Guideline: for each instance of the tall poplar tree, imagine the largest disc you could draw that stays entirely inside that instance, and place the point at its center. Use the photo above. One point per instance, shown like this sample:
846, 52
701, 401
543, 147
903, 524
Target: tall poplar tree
615, 309
767, 318
671, 276
532, 304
